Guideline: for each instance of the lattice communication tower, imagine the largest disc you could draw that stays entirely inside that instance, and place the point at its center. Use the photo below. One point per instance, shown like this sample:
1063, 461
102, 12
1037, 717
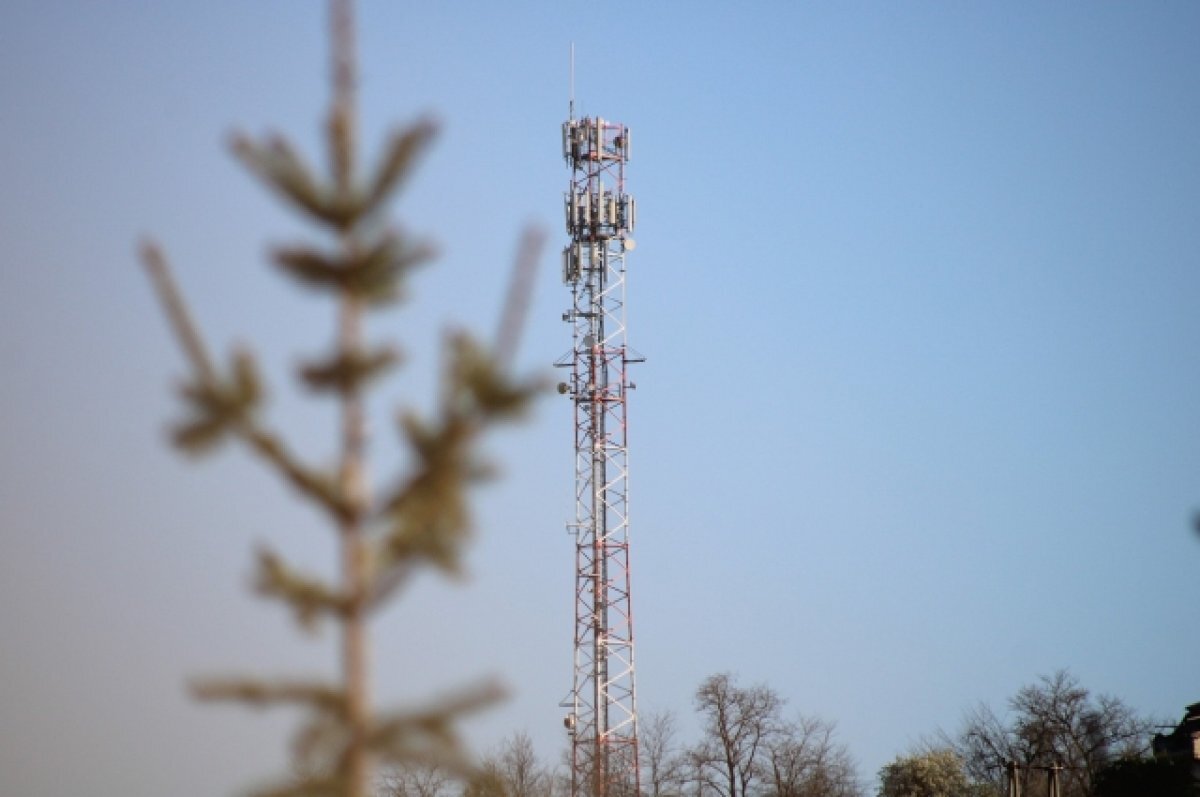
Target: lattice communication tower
600, 215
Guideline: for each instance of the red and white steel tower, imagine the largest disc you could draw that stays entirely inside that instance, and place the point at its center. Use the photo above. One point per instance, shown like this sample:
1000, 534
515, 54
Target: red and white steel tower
600, 215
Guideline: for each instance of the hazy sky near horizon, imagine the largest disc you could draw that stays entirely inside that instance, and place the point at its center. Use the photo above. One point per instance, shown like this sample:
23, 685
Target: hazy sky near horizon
920, 419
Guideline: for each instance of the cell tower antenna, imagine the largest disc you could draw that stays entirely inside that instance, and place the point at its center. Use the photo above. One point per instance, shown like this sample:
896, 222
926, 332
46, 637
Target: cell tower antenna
602, 711
571, 112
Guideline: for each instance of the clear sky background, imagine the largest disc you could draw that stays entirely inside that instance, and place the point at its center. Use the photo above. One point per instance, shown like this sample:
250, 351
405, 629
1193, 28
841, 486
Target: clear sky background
920, 421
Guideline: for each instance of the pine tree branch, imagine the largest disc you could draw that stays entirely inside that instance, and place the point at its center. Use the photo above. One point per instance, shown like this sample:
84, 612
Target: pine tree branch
177, 313
321, 487
225, 405
323, 698
348, 372
428, 515
388, 580
426, 736
373, 272
309, 597
520, 291
400, 155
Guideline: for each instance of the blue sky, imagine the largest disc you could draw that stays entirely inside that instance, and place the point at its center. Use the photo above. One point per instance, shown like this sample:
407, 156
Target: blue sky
916, 283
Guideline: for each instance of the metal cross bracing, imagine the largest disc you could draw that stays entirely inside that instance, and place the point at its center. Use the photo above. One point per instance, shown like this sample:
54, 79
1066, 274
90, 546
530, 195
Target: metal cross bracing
600, 216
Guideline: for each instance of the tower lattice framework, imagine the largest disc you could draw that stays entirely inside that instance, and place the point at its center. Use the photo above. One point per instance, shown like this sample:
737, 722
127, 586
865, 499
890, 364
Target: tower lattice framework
600, 216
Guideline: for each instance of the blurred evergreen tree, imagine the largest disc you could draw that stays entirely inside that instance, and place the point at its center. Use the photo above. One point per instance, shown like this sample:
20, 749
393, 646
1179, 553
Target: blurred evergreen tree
422, 519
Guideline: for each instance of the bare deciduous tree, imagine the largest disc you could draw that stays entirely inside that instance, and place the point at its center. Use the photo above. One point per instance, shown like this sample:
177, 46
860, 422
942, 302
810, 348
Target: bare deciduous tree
802, 759
416, 780
523, 774
738, 721
750, 750
513, 770
663, 763
1053, 722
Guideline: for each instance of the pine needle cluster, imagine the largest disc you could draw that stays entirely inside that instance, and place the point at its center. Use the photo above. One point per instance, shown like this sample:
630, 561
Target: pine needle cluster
422, 518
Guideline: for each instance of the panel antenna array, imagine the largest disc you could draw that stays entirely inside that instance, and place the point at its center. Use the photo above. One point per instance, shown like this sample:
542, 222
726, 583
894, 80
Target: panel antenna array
600, 216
